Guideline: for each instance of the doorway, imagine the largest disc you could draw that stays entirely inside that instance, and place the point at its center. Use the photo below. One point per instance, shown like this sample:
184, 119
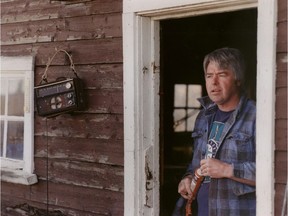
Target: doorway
183, 45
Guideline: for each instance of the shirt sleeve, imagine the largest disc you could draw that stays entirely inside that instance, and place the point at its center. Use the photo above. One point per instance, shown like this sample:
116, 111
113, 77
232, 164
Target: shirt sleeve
247, 171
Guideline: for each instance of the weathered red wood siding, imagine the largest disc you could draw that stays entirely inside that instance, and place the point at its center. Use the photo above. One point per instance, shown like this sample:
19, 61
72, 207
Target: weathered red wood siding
78, 158
281, 109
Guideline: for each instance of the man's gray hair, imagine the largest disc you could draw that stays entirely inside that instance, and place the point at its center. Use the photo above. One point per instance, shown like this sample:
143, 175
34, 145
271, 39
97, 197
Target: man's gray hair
228, 58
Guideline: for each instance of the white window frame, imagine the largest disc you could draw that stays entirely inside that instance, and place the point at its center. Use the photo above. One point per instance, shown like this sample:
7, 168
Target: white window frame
141, 101
21, 171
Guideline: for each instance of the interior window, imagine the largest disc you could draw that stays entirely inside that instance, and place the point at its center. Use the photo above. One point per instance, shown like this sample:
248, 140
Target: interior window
186, 106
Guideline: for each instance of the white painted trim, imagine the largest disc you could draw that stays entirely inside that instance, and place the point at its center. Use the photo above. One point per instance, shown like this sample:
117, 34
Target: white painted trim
265, 123
141, 83
135, 96
131, 120
17, 63
172, 6
20, 171
18, 177
199, 9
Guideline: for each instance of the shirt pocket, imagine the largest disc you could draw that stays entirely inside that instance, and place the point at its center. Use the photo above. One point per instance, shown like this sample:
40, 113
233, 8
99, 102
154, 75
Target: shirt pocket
197, 134
199, 142
238, 147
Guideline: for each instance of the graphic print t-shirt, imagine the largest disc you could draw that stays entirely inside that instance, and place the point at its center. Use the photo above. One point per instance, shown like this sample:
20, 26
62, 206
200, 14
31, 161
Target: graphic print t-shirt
213, 143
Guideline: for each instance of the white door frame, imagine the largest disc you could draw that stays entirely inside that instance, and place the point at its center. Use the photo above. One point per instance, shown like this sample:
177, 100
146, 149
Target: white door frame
141, 96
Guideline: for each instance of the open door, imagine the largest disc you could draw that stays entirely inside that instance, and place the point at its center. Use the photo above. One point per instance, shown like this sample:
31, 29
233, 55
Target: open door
183, 44
148, 108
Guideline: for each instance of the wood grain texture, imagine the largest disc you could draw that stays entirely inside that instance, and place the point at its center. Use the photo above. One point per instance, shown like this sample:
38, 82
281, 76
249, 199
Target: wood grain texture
281, 109
79, 157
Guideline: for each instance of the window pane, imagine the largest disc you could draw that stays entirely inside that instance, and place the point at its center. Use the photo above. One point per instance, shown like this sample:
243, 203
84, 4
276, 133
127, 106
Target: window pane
16, 97
194, 92
179, 120
2, 93
180, 95
15, 135
1, 137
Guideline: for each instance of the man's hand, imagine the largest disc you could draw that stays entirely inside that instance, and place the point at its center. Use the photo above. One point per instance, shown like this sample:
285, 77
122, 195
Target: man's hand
184, 187
216, 168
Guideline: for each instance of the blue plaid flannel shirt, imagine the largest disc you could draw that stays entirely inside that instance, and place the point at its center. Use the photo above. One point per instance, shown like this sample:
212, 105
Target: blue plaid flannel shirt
237, 147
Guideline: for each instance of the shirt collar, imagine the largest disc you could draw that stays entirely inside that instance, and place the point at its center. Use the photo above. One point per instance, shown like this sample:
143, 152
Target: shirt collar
210, 106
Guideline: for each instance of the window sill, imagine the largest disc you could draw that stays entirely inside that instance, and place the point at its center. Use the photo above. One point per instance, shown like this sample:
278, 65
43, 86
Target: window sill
18, 177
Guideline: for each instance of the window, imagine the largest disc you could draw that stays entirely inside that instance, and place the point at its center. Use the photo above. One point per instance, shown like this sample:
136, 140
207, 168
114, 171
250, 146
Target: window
17, 120
186, 106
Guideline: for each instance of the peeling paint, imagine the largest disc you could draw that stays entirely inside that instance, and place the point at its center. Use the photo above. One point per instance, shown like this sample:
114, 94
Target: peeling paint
149, 182
285, 59
79, 157
24, 40
103, 159
144, 70
26, 209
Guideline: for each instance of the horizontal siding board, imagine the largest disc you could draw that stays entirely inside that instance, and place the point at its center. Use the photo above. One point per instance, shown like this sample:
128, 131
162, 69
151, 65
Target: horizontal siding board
11, 205
282, 60
282, 10
68, 29
78, 149
99, 76
97, 201
18, 190
95, 26
18, 50
281, 79
23, 11
281, 135
102, 126
281, 167
281, 103
279, 199
105, 101
29, 11
68, 198
282, 36
97, 51
83, 52
14, 210
83, 174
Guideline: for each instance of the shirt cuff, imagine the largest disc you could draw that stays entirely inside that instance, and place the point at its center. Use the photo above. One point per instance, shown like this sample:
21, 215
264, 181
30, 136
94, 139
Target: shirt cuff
238, 170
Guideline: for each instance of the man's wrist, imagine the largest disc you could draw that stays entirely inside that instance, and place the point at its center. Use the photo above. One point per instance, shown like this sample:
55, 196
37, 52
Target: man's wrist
188, 175
229, 171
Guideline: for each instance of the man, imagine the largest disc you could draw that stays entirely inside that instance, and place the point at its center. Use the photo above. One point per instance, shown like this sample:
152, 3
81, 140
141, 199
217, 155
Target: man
224, 140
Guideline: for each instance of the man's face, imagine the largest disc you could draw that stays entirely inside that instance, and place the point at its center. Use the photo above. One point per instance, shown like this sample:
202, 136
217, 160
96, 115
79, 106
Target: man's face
222, 87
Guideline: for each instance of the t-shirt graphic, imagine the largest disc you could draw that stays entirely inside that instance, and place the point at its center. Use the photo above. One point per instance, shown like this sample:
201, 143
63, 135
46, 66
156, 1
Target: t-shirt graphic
213, 142
216, 131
